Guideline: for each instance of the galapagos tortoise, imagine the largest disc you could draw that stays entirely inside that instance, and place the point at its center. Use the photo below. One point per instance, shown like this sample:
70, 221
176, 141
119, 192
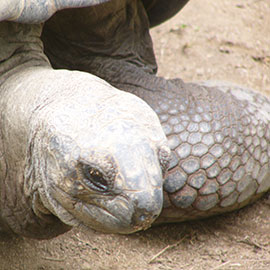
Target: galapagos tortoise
74, 150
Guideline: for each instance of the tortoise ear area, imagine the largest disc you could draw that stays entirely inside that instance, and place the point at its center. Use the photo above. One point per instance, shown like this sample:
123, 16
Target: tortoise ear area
164, 155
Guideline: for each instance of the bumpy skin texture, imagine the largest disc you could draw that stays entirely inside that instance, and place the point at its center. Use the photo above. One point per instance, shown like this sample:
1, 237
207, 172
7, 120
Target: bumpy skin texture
220, 140
219, 133
73, 149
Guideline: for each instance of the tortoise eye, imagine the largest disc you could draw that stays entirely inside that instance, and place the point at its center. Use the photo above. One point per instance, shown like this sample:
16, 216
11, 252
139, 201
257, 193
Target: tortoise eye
95, 179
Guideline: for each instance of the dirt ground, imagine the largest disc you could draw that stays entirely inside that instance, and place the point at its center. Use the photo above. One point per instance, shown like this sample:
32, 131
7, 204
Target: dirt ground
225, 40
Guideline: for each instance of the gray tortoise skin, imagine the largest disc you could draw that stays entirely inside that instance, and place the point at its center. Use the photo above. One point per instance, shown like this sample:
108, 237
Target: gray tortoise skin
87, 153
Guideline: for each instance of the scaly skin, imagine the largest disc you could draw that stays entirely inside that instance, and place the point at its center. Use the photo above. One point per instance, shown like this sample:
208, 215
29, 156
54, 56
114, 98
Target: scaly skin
73, 149
219, 134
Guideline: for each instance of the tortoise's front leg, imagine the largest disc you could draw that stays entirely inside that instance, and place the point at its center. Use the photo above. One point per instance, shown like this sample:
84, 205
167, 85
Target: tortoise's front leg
36, 11
220, 137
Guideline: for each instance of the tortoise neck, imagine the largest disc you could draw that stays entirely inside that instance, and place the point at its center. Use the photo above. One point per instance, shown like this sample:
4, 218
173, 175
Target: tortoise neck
20, 47
113, 36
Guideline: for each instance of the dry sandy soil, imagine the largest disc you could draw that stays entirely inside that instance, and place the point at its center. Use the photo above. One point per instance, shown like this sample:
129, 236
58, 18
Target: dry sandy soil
225, 40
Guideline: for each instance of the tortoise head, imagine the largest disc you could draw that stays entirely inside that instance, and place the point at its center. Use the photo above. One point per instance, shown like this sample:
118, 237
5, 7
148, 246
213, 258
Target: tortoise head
99, 160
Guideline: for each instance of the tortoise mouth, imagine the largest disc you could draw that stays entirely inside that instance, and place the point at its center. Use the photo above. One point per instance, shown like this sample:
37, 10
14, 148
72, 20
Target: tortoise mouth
125, 221
104, 213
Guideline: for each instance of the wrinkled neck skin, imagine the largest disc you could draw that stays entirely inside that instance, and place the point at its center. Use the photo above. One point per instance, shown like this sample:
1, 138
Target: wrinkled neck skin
21, 207
21, 49
111, 41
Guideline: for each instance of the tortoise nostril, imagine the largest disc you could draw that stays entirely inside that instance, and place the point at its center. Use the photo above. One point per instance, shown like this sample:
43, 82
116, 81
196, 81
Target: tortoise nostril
142, 218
